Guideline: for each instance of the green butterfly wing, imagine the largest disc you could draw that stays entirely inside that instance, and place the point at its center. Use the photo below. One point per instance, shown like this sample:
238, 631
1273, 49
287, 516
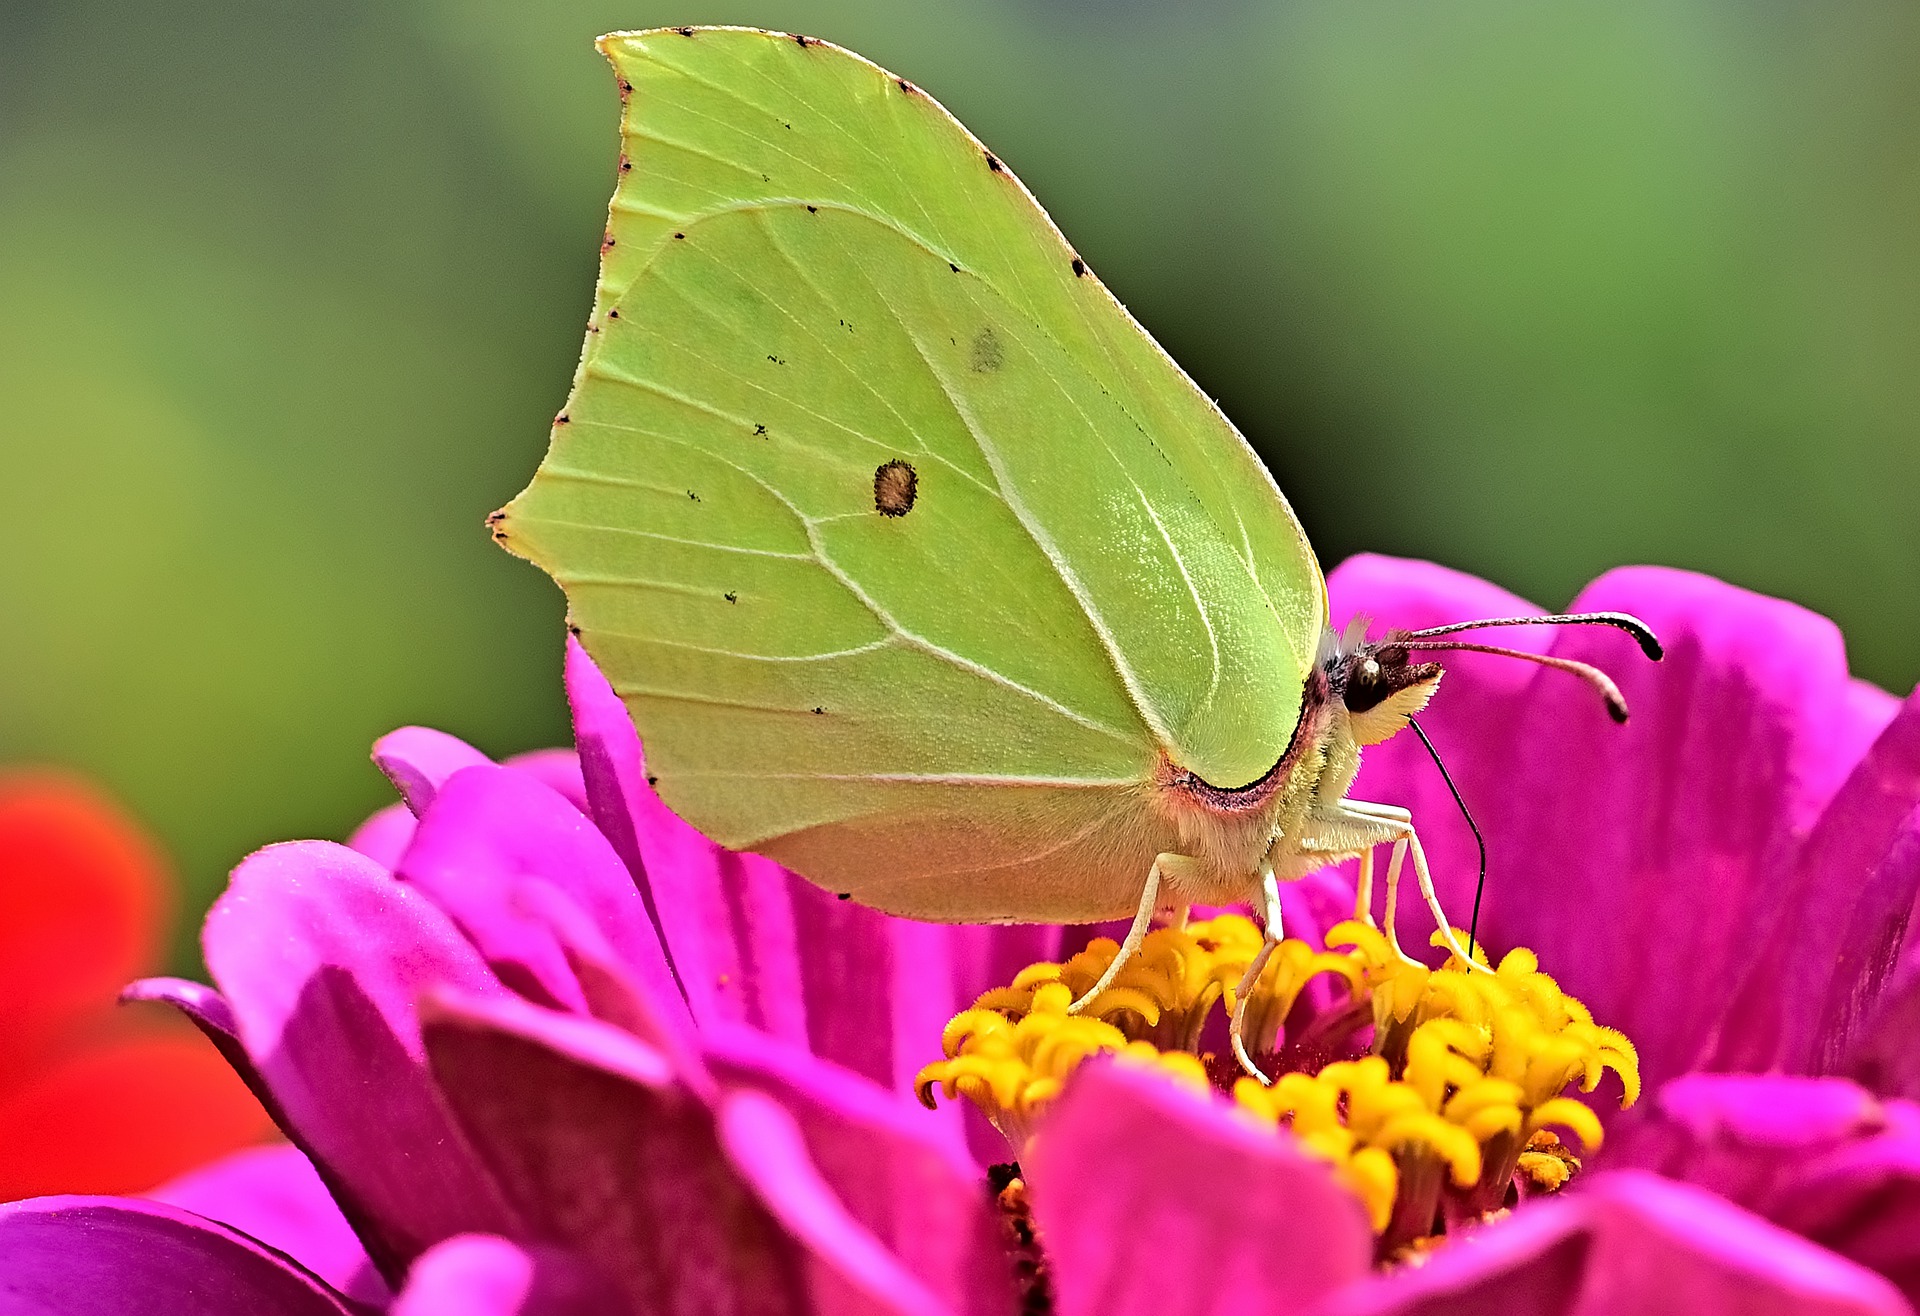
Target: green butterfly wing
957, 711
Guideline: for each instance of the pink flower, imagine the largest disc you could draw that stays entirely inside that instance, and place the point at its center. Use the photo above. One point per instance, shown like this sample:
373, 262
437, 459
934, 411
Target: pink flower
550, 1051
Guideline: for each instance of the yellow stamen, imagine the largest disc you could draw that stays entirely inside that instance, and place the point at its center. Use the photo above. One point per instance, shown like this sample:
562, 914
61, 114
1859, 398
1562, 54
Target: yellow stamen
1463, 1078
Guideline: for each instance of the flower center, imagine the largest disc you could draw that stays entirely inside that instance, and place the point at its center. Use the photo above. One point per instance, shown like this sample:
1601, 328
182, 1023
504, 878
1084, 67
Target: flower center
1438, 1095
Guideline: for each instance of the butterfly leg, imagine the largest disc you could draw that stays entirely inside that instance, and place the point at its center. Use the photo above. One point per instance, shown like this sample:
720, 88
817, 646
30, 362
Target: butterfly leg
1142, 918
1433, 903
1363, 890
1394, 863
1402, 821
1270, 899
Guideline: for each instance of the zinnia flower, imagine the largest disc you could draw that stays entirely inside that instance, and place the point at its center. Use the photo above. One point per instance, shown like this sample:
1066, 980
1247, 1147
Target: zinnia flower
551, 1051
94, 1100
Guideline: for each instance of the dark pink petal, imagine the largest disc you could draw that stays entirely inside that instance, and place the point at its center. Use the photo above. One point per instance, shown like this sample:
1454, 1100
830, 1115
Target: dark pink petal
877, 989
1863, 1201
900, 1174
725, 916
556, 769
1841, 910
1820, 1156
1632, 1244
272, 1194
417, 759
494, 849
479, 1275
1641, 862
1156, 1201
869, 991
1741, 1134
1662, 858
613, 775
210, 1013
385, 835
848, 1270
986, 956
322, 956
1883, 1054
590, 1134
114, 1256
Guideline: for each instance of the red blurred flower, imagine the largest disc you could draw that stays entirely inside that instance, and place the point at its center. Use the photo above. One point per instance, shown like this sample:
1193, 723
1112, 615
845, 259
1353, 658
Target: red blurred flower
95, 1099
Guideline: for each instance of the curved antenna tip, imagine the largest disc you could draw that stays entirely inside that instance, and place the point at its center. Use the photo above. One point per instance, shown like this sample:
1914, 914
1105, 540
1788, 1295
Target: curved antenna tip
1624, 621
1641, 632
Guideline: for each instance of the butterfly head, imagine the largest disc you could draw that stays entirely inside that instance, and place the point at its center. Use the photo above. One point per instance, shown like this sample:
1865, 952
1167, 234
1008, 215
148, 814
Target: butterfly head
1380, 684
1383, 682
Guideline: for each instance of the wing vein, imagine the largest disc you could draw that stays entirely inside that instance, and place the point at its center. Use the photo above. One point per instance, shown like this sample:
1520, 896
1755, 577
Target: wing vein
1044, 542
1193, 592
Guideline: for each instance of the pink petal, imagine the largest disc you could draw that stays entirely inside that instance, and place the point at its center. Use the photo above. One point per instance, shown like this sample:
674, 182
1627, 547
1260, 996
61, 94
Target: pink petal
321, 956
117, 1256
489, 843
1153, 1200
1631, 1244
590, 1134
1818, 972
272, 1194
1863, 1201
384, 836
724, 916
851, 1272
478, 1275
868, 991
556, 769
901, 1176
1642, 861
417, 759
1882, 1054
1740, 1134
1819, 1156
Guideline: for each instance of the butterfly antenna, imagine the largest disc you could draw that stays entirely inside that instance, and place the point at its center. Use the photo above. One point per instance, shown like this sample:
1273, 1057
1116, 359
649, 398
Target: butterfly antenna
1593, 676
1641, 632
1480, 885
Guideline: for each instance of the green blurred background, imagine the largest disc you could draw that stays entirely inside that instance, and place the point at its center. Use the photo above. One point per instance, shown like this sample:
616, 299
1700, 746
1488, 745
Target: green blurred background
289, 292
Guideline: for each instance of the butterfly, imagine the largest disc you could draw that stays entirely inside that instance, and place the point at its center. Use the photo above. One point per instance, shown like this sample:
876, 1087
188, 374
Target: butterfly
921, 568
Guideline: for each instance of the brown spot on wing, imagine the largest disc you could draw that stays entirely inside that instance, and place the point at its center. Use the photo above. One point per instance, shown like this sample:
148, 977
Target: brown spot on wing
895, 487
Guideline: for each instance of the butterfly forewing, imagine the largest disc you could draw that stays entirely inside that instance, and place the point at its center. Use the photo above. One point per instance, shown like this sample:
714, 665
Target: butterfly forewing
910, 553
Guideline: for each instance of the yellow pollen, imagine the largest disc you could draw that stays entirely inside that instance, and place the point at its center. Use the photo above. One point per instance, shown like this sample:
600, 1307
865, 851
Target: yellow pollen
1415, 1085
1546, 1164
